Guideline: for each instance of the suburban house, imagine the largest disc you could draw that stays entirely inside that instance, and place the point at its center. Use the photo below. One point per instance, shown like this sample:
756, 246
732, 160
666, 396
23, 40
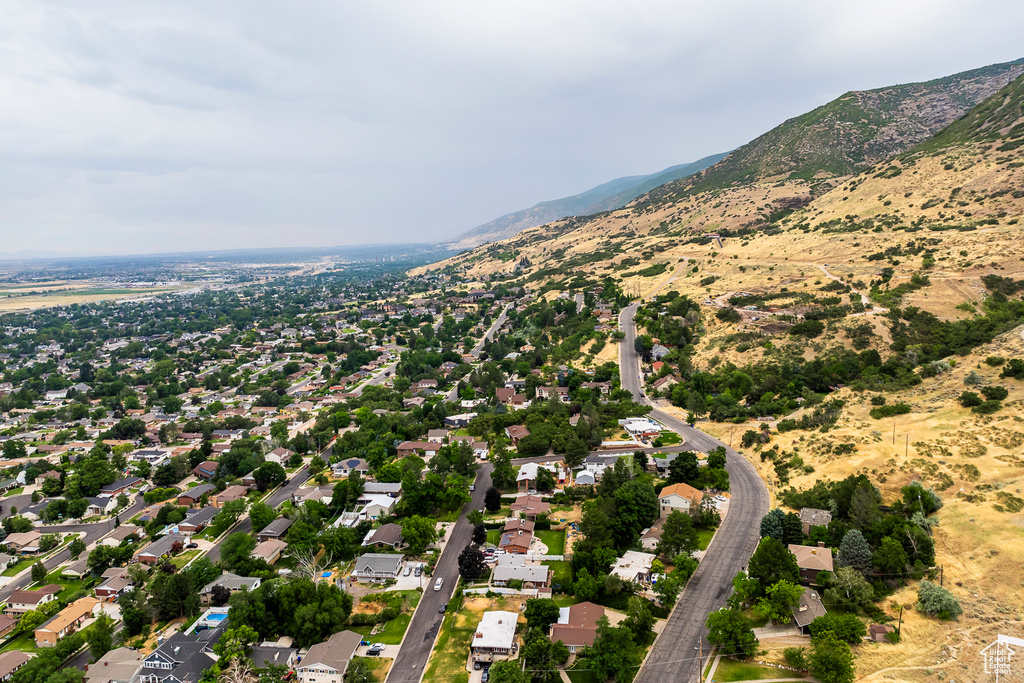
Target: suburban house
100, 506
199, 519
376, 505
529, 506
229, 494
262, 656
114, 586
634, 566
121, 486
385, 535
117, 666
383, 488
812, 517
350, 465
427, 448
281, 456
377, 567
160, 548
115, 537
641, 428
179, 659
561, 393
516, 433
326, 662
649, 538
194, 495
584, 478
526, 479
205, 470
811, 560
7, 625
269, 551
20, 602
275, 530
877, 632
577, 625
437, 435
516, 541
596, 464
25, 542
321, 494
66, 622
682, 497
808, 609
11, 662
232, 582
495, 636
514, 568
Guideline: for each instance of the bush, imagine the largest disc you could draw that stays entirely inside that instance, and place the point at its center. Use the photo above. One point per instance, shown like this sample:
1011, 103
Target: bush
728, 315
796, 657
890, 410
808, 328
969, 399
846, 627
994, 393
936, 601
987, 407
878, 400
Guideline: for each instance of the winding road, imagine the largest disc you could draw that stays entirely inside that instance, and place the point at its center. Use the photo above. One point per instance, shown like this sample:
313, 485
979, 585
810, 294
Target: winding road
674, 656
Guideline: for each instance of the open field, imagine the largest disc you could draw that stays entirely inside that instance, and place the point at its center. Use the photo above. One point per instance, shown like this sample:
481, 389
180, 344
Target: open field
67, 294
733, 670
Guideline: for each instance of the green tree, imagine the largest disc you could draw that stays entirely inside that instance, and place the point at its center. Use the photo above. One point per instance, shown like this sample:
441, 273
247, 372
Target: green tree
936, 601
677, 535
855, 552
508, 671
729, 630
541, 613
471, 563
317, 465
683, 468
849, 587
613, 653
864, 512
831, 660
639, 619
890, 558
847, 627
261, 515
492, 499
418, 533
772, 562
779, 600
236, 549
236, 643
101, 636
586, 587
38, 572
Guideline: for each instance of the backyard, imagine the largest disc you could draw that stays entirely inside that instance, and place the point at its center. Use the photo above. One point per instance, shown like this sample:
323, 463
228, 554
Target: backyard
394, 629
554, 540
729, 670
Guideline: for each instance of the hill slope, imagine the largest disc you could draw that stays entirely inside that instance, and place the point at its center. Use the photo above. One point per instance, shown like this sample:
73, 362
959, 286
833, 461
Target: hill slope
855, 131
606, 197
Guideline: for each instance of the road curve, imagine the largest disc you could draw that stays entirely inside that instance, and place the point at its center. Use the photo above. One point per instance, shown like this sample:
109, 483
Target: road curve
674, 656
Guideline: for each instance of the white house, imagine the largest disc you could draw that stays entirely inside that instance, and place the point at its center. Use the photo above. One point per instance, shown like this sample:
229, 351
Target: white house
494, 637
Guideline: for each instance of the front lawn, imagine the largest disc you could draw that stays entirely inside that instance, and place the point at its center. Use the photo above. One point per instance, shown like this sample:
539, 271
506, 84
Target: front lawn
669, 438
501, 513
732, 670
704, 537
494, 536
448, 660
583, 675
554, 540
14, 492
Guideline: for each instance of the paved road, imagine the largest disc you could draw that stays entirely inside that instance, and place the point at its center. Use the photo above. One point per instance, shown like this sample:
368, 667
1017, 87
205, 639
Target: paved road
276, 498
579, 303
383, 374
93, 531
674, 655
412, 658
478, 349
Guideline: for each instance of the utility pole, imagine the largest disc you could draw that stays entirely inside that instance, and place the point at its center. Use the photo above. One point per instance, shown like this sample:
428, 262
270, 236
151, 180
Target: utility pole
894, 432
700, 659
941, 572
899, 628
906, 452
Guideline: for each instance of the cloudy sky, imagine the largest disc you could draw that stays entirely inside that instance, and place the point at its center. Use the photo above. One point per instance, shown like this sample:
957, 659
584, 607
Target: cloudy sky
136, 126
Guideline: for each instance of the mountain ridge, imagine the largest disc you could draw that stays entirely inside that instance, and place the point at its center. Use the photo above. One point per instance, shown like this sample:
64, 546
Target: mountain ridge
607, 196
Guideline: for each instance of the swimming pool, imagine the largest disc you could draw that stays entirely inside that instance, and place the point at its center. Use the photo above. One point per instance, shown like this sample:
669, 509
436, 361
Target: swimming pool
216, 617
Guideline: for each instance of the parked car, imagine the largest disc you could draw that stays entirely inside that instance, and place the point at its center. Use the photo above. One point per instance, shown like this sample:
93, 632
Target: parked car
374, 650
442, 609
476, 666
418, 571
472, 487
484, 676
192, 545
408, 570
438, 583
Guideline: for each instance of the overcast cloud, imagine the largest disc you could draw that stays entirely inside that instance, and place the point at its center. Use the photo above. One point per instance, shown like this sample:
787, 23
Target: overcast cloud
137, 126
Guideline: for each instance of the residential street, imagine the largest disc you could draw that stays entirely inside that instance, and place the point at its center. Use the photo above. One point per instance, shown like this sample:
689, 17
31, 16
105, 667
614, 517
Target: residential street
674, 656
419, 637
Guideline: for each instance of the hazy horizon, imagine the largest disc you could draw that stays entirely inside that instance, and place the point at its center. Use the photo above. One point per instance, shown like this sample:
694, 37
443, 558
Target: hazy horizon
144, 128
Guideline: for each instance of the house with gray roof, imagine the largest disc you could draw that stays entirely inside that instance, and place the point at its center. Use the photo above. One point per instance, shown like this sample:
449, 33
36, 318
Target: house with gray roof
386, 534
232, 582
326, 662
377, 567
275, 530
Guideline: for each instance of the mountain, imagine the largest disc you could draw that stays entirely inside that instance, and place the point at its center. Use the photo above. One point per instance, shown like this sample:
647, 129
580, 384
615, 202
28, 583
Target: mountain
607, 197
844, 167
854, 131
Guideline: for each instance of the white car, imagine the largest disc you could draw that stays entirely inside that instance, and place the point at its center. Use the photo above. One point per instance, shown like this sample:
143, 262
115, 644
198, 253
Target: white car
438, 583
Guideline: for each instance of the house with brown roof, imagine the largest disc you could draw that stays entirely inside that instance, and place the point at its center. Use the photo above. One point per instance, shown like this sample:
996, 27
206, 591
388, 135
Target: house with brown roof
66, 622
269, 551
25, 542
516, 433
11, 662
326, 662
812, 560
529, 506
577, 625
426, 448
20, 601
205, 470
7, 625
681, 497
229, 494
194, 495
385, 535
516, 542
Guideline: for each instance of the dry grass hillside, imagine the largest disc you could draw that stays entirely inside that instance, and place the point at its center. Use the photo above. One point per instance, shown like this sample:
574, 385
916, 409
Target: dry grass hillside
975, 463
